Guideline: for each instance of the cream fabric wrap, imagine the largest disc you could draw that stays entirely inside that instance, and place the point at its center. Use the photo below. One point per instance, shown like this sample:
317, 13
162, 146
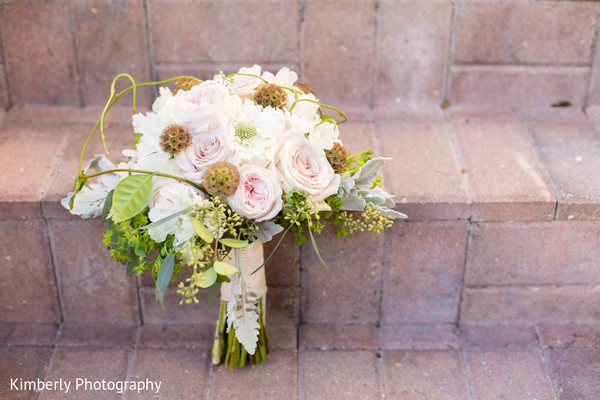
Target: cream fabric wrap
251, 257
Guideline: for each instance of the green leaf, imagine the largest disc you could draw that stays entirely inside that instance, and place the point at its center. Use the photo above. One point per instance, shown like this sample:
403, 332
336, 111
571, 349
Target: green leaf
224, 268
134, 262
164, 276
234, 243
79, 184
107, 205
202, 231
312, 239
131, 196
164, 220
212, 292
207, 278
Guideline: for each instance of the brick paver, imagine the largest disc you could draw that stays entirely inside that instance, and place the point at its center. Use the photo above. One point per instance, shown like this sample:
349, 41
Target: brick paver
482, 362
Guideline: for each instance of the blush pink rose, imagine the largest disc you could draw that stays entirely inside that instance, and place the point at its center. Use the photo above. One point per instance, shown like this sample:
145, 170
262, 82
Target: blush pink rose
300, 165
198, 107
258, 196
206, 149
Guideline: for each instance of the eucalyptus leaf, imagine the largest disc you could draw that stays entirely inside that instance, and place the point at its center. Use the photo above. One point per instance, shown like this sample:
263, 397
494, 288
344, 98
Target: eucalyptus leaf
164, 220
134, 262
202, 231
131, 196
234, 243
107, 205
207, 278
164, 276
224, 268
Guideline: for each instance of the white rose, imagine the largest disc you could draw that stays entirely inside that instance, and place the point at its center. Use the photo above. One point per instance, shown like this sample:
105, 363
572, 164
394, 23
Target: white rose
206, 148
198, 107
242, 85
302, 166
258, 195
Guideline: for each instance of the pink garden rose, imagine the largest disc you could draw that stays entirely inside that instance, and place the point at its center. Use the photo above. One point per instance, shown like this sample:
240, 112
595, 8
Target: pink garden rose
206, 149
258, 195
198, 107
302, 166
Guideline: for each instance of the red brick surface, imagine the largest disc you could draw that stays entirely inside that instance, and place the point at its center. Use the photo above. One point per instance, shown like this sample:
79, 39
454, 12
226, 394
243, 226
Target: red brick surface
569, 335
4, 95
31, 334
29, 152
338, 337
337, 44
424, 265
28, 363
530, 305
525, 32
508, 374
505, 175
92, 287
28, 293
173, 336
412, 375
571, 154
411, 49
104, 53
419, 337
497, 337
550, 253
575, 373
331, 294
516, 87
283, 269
182, 373
339, 375
281, 383
224, 31
72, 363
29, 30
424, 173
96, 335
152, 312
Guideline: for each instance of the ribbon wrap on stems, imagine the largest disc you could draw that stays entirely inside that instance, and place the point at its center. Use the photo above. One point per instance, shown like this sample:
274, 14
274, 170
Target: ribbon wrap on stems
240, 333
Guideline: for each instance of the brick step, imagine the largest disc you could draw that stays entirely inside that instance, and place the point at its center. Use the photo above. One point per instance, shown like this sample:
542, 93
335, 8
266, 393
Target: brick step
546, 361
503, 229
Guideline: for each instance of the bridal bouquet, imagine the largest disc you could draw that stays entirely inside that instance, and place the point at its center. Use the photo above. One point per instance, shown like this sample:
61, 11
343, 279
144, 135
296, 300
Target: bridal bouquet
217, 168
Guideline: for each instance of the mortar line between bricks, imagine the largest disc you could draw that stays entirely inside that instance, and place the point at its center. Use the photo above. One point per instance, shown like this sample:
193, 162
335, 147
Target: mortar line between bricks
534, 285
374, 63
527, 126
450, 51
463, 275
545, 363
467, 373
139, 300
211, 376
78, 70
6, 80
131, 355
593, 50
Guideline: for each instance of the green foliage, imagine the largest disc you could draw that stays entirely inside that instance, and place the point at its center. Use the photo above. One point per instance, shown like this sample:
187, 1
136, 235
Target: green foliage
133, 246
370, 219
77, 186
355, 161
131, 196
164, 277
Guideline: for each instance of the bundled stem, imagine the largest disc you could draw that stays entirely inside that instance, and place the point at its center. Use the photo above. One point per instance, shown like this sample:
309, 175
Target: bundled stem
234, 354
